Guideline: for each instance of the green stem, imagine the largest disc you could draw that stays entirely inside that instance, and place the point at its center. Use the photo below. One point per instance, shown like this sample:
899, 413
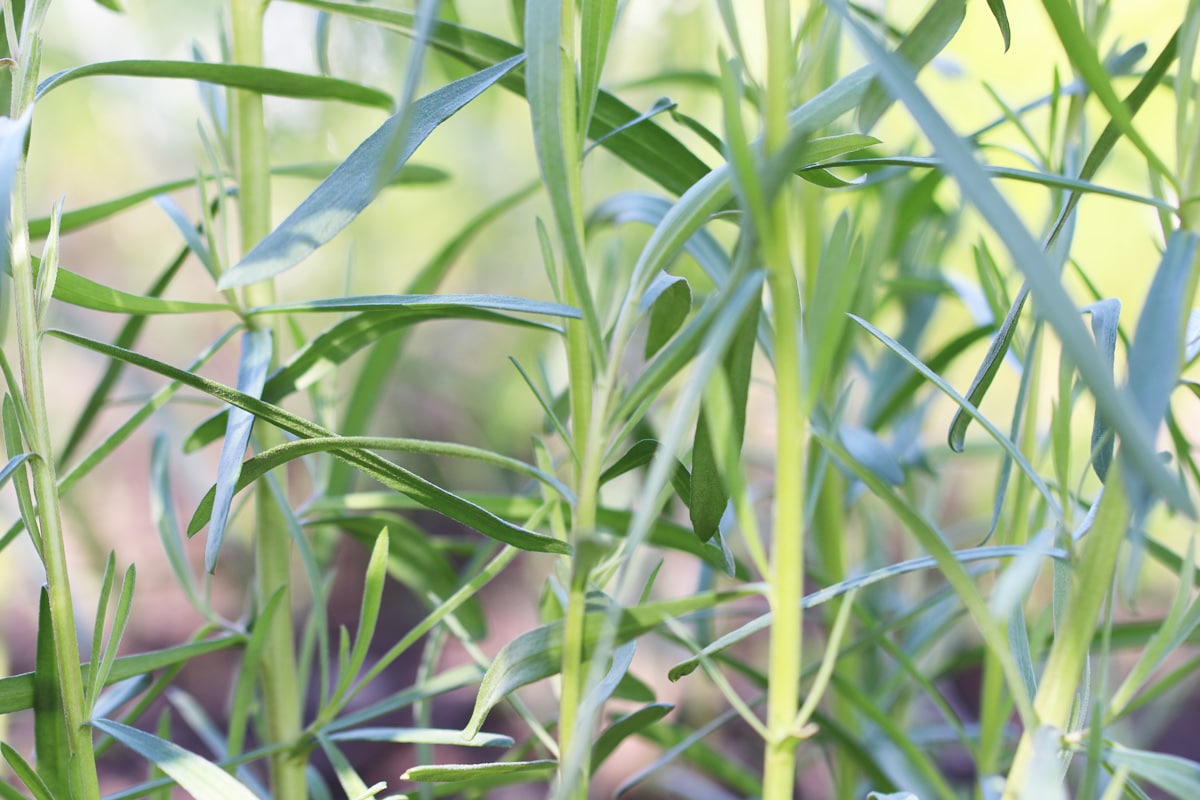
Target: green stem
787, 557
273, 546
82, 777
1089, 587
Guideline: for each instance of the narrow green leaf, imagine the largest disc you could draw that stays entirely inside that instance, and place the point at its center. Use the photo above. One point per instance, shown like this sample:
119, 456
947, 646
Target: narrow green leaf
26, 774
928, 37
1106, 315
537, 654
625, 726
641, 453
669, 301
597, 20
50, 742
1091, 165
1001, 15
162, 510
84, 292
1156, 352
1177, 775
353, 185
98, 677
338, 343
242, 704
428, 494
647, 148
12, 148
195, 775
257, 349
441, 303
421, 736
414, 560
17, 691
189, 231
1085, 59
47, 270
870, 451
262, 80
452, 773
709, 491
368, 614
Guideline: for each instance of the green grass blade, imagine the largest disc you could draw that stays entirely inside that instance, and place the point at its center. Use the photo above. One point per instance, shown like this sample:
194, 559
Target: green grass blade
353, 185
262, 80
195, 775
242, 704
257, 349
368, 615
98, 676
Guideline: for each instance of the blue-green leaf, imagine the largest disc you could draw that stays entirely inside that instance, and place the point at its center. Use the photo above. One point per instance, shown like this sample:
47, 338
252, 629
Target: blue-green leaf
257, 348
195, 775
354, 184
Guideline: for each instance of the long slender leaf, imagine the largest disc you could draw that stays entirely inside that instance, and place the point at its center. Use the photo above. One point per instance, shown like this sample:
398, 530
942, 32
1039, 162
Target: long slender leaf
51, 744
257, 349
240, 76
428, 494
199, 777
354, 184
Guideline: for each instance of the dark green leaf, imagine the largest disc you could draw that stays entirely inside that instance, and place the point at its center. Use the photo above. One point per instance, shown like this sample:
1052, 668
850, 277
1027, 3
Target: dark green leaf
1001, 15
623, 727
669, 300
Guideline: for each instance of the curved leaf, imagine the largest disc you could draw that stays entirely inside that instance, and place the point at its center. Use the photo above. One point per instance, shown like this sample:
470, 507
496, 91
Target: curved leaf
262, 80
427, 494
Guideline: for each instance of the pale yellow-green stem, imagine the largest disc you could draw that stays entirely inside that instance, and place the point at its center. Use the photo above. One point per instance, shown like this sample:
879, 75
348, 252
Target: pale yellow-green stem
792, 438
273, 545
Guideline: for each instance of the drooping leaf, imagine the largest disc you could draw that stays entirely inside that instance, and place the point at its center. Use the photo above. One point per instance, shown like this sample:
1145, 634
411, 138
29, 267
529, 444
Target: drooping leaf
262, 80
356, 181
1001, 15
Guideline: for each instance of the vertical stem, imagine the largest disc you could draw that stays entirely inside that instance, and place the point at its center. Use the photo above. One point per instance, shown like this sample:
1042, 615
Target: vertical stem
787, 557
83, 781
273, 546
82, 778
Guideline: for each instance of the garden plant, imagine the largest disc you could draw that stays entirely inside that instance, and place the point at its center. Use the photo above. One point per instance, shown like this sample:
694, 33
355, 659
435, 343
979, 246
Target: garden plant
733, 518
